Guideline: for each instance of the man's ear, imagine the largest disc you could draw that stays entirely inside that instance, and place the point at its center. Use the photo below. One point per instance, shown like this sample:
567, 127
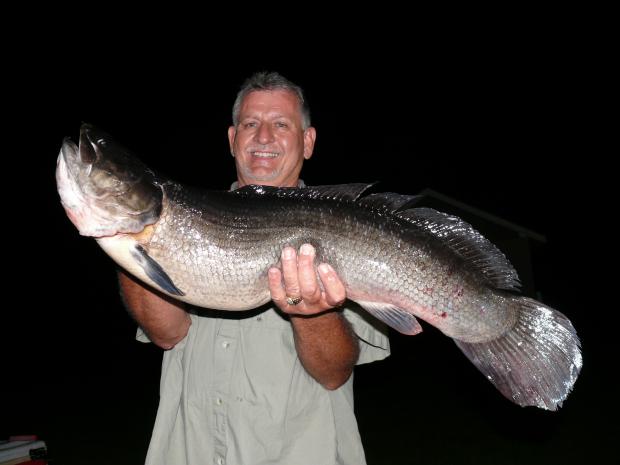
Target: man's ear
231, 139
309, 138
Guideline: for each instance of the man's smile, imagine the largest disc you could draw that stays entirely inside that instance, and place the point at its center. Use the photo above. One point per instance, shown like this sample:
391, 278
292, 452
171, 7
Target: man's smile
261, 154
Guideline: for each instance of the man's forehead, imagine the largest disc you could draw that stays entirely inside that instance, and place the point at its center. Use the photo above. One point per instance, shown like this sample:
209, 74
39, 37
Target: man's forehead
271, 101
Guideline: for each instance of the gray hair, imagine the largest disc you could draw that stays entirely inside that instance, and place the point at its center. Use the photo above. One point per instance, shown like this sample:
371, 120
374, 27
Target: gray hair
271, 81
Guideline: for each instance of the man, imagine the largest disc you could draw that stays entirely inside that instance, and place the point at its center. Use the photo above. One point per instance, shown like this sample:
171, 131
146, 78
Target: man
269, 386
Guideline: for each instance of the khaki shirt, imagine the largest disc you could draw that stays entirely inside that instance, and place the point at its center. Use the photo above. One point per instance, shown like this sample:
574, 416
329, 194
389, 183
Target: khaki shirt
233, 392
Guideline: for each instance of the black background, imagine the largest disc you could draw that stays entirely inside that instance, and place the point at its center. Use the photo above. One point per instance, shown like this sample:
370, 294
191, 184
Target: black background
500, 122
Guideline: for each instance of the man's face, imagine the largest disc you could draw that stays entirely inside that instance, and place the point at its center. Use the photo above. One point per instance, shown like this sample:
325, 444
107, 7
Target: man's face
268, 143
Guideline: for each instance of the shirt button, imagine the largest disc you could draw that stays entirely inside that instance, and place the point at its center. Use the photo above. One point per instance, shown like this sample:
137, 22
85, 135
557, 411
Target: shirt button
218, 401
220, 461
225, 344
260, 318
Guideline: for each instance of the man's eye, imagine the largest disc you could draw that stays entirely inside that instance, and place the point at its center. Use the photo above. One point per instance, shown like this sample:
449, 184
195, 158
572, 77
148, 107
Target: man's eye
251, 124
280, 124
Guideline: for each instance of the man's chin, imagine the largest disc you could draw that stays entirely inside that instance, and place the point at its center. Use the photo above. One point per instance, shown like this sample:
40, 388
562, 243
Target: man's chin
261, 176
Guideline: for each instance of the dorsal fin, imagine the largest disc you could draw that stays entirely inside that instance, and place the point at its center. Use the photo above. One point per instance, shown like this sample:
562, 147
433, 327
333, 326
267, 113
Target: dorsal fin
389, 201
350, 192
466, 242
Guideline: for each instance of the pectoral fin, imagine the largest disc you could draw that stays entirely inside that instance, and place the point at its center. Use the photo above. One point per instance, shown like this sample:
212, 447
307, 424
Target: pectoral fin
154, 271
395, 317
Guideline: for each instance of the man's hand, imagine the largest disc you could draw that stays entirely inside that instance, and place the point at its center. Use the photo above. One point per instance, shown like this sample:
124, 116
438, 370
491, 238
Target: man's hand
326, 344
298, 278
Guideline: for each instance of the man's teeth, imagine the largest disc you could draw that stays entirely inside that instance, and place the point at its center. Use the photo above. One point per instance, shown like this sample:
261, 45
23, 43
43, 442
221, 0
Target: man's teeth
265, 154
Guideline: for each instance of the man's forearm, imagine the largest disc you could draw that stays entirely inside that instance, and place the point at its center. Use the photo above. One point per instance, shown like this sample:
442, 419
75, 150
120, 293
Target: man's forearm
164, 320
327, 347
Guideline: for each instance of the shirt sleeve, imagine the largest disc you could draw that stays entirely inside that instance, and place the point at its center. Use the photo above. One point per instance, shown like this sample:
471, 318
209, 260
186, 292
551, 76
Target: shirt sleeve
373, 335
141, 335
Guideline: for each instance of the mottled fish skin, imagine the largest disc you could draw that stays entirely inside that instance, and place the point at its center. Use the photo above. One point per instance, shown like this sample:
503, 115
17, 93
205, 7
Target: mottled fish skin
213, 249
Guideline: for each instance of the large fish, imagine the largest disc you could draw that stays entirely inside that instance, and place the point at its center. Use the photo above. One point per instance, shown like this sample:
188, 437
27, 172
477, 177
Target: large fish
399, 262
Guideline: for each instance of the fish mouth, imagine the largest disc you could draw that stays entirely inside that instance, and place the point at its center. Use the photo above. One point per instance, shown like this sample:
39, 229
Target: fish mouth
103, 188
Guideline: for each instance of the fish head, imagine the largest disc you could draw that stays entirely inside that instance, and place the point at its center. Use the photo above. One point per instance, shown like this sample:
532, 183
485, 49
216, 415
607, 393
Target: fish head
103, 188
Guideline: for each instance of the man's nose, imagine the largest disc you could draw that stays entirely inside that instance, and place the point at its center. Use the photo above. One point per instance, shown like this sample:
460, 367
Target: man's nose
264, 135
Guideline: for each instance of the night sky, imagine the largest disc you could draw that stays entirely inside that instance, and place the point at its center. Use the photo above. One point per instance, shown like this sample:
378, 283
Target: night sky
494, 127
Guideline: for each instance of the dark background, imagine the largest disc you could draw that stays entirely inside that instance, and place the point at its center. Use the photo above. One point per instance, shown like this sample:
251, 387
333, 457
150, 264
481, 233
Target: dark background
501, 124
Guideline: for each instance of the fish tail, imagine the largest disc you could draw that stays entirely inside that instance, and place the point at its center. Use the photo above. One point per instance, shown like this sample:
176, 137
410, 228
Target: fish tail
536, 362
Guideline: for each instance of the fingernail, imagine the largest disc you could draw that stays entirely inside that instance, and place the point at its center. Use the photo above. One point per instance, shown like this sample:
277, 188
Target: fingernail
288, 252
325, 268
306, 249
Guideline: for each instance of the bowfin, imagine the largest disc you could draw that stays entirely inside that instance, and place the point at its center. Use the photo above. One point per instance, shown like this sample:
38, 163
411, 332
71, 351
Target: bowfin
154, 271
466, 242
395, 317
536, 362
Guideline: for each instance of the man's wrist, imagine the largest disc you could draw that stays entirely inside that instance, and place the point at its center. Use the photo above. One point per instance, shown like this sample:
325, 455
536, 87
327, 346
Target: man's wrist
309, 316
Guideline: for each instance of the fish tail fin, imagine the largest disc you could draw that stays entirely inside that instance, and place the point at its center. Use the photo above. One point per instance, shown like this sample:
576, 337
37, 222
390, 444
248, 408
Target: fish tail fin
536, 362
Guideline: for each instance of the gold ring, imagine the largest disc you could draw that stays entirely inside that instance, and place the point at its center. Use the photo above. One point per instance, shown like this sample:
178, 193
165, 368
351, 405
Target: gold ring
293, 300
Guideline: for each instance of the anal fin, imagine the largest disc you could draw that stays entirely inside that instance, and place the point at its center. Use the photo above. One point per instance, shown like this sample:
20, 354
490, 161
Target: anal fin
393, 316
154, 271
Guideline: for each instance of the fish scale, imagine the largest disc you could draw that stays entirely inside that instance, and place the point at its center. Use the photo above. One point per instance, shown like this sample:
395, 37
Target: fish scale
398, 261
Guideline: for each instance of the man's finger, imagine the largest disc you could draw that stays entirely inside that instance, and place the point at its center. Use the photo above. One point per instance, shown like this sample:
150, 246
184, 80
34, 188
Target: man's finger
308, 283
289, 272
278, 294
335, 292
